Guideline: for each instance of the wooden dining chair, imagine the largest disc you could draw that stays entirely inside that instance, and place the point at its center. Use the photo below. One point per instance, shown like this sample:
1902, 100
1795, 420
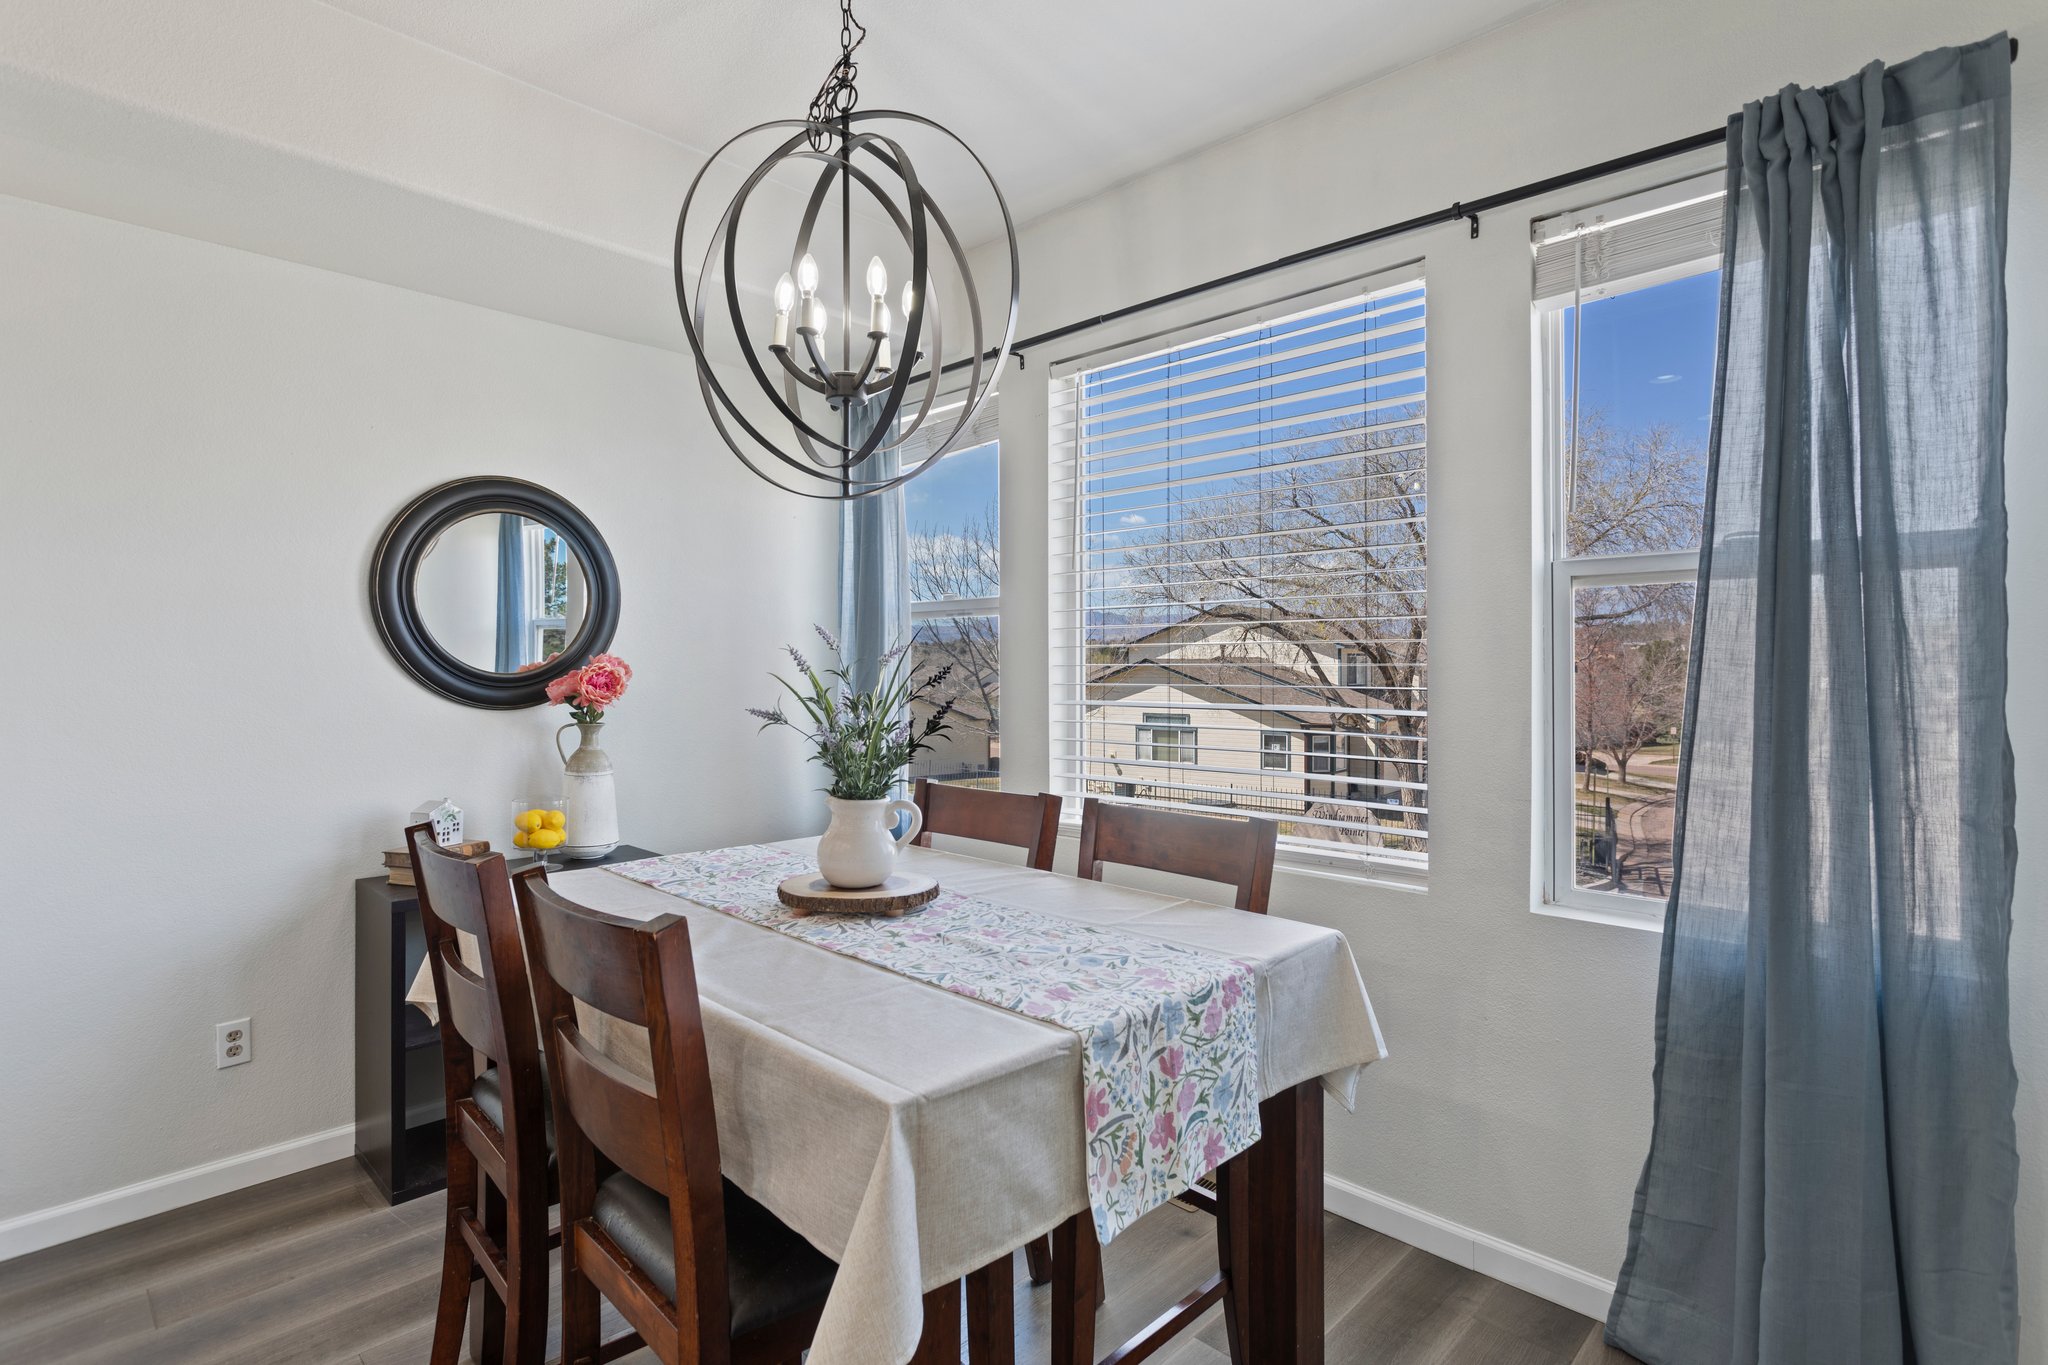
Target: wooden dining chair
701, 1272
498, 1127
1238, 853
1031, 823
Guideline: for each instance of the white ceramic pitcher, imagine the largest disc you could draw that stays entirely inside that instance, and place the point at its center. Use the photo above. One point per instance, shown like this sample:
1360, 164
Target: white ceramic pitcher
859, 847
590, 799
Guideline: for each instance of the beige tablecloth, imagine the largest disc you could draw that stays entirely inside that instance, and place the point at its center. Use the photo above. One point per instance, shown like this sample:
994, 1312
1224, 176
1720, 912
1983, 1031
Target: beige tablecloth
914, 1135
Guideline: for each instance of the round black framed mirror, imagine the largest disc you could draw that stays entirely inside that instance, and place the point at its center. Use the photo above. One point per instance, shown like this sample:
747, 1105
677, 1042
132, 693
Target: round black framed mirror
487, 589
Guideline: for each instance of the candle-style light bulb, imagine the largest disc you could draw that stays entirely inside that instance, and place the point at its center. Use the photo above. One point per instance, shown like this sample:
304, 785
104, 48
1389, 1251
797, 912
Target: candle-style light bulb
909, 294
878, 285
785, 299
807, 275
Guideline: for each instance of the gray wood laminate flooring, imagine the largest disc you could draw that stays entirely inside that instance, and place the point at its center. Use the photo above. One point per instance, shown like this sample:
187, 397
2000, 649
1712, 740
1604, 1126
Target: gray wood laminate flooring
314, 1269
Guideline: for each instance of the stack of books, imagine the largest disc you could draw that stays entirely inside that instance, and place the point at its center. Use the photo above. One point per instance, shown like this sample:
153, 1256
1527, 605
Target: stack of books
398, 863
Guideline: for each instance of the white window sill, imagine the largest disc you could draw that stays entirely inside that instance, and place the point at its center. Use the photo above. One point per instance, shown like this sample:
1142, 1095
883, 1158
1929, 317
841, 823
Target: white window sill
1620, 918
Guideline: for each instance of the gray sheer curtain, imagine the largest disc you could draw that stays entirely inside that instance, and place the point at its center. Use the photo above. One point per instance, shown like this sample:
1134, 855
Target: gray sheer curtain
874, 562
1832, 1169
513, 625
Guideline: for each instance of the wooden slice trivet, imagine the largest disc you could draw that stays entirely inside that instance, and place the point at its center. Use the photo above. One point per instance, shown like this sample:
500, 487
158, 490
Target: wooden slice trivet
808, 893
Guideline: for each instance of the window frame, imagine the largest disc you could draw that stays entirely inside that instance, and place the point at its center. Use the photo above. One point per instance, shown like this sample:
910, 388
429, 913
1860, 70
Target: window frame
1320, 762
1285, 752
1560, 577
533, 547
1152, 723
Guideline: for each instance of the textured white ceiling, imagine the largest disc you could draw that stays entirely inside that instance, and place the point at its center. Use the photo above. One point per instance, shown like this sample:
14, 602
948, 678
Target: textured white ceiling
1062, 98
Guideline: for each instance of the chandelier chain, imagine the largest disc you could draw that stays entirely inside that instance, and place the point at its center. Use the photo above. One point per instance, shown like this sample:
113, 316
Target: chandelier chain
837, 97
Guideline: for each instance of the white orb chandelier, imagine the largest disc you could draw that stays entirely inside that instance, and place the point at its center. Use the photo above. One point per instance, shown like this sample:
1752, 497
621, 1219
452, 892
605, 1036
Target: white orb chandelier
823, 411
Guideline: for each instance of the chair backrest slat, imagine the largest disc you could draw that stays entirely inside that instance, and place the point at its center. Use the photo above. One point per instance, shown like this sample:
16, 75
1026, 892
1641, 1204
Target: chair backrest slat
592, 958
1031, 823
618, 1111
466, 1004
1238, 853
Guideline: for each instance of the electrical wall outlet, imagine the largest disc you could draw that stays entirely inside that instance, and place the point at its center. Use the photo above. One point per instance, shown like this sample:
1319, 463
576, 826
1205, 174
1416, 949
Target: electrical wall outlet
231, 1043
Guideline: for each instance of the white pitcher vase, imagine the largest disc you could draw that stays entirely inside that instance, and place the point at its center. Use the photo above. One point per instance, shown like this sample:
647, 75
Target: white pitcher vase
859, 847
590, 802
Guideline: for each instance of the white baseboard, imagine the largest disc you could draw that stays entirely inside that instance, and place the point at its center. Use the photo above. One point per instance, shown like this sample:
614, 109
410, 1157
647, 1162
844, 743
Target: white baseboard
96, 1213
1531, 1271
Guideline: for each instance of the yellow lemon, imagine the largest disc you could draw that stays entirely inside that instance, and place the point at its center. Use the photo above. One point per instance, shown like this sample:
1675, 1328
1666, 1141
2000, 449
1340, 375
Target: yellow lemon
519, 840
554, 819
546, 838
528, 820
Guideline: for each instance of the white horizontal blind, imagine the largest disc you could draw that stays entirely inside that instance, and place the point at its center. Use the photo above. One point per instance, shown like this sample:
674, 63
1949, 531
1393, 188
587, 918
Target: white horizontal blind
1676, 228
1240, 538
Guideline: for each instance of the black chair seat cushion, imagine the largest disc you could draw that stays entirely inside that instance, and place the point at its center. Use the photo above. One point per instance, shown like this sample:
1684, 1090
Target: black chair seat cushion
773, 1273
490, 1098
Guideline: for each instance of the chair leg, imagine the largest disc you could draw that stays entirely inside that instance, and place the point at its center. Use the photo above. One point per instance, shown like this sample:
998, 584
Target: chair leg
580, 1308
526, 1272
457, 1265
1038, 1260
487, 1310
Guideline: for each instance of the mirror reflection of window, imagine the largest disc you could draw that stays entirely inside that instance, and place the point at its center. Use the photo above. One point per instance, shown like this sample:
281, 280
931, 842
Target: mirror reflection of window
501, 592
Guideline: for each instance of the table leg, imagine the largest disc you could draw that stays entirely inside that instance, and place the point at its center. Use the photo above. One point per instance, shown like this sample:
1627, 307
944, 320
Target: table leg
1076, 1278
991, 1314
1270, 1235
940, 1342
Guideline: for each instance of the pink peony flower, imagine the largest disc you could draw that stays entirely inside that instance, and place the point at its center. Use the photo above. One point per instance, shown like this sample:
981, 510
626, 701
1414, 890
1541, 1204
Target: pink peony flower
604, 681
564, 688
1164, 1129
1187, 1097
1212, 1150
1171, 1061
1095, 1107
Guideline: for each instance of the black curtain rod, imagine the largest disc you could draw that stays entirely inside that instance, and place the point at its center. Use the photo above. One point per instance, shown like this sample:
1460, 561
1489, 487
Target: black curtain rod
1468, 209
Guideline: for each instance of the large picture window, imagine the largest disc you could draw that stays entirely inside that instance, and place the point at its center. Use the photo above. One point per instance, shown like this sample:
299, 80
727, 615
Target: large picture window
1241, 549
1627, 305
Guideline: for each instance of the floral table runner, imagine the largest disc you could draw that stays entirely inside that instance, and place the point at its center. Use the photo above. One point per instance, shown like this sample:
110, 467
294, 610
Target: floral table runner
1170, 1035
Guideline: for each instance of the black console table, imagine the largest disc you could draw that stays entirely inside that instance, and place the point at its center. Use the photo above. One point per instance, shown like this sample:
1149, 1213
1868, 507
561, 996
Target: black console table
398, 1052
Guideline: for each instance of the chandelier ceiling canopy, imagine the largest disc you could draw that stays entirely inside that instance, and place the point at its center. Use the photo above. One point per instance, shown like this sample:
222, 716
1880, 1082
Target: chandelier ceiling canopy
838, 416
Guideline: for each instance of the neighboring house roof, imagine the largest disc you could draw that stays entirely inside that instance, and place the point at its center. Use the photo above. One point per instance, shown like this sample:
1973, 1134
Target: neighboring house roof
1272, 688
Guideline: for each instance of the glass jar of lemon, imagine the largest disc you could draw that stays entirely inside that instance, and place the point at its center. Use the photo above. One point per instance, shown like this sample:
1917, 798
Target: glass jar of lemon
539, 826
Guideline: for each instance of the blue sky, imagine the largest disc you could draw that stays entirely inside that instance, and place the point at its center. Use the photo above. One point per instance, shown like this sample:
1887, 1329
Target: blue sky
957, 492
1649, 356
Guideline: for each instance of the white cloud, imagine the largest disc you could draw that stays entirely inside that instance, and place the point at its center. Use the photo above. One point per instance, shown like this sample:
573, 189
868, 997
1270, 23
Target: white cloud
1133, 519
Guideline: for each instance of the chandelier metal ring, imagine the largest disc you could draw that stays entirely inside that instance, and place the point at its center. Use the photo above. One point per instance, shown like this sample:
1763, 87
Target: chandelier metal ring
915, 237
880, 166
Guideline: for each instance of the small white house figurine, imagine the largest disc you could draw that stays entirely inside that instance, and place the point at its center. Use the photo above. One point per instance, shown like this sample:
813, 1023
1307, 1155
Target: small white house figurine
446, 818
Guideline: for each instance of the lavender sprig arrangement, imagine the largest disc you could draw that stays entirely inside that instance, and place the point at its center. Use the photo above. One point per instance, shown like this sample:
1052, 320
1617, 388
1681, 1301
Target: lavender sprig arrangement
864, 739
